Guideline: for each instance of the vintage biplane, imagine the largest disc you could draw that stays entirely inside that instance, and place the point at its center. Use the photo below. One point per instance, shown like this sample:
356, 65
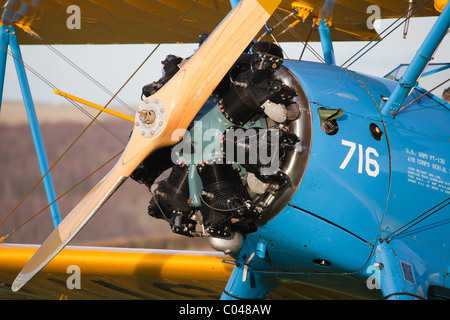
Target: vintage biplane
311, 180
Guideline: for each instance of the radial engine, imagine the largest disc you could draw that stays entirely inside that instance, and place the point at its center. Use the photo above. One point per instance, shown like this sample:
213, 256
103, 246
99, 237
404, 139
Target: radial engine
242, 158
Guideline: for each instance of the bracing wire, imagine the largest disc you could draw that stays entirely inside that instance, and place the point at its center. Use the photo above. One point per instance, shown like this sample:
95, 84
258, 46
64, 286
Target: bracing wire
51, 85
95, 118
372, 42
416, 220
422, 95
88, 76
300, 39
62, 195
308, 38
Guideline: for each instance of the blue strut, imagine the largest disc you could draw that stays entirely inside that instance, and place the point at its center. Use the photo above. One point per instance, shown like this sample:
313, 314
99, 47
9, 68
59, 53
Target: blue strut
8, 37
418, 64
4, 41
327, 44
234, 3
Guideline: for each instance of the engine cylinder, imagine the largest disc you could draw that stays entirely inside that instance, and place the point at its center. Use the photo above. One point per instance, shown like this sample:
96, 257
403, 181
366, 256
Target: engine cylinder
171, 195
223, 196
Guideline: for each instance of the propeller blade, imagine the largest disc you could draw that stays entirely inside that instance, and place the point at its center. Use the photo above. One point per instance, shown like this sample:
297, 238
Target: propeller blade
173, 107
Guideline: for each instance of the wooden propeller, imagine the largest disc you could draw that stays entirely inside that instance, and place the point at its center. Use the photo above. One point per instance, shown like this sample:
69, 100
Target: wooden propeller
173, 107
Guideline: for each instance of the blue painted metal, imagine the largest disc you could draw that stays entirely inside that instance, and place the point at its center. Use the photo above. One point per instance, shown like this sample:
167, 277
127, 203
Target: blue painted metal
420, 157
396, 73
405, 271
234, 3
418, 64
420, 179
255, 286
327, 44
327, 9
436, 70
4, 41
329, 235
324, 178
338, 227
261, 249
246, 282
195, 187
32, 118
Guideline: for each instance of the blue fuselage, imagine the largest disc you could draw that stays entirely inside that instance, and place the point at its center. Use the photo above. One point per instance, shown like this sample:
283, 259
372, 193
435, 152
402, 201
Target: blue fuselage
358, 189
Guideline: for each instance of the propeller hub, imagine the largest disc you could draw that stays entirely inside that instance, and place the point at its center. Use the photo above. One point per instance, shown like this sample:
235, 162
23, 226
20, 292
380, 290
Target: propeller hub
147, 116
150, 117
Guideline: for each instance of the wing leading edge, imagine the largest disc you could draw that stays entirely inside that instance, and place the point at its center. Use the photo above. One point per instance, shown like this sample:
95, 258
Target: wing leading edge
134, 274
174, 21
116, 273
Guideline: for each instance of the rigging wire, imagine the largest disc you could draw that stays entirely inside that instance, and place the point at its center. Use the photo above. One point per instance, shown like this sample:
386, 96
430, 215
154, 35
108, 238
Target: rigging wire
62, 195
408, 18
308, 38
421, 96
379, 35
37, 74
300, 39
222, 210
88, 76
95, 118
51, 85
413, 222
271, 29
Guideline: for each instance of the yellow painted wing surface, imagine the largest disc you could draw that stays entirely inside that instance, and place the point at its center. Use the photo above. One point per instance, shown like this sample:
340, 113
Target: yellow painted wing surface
134, 274
179, 21
116, 273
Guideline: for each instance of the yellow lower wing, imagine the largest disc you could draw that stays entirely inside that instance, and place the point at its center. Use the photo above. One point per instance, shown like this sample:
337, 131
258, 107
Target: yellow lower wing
116, 273
121, 273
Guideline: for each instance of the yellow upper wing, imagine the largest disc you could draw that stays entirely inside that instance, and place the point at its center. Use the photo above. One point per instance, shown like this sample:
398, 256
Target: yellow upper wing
177, 21
116, 273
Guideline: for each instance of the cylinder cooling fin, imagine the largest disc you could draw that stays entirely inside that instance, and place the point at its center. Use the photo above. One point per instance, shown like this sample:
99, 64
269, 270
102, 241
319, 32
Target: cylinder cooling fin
242, 158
